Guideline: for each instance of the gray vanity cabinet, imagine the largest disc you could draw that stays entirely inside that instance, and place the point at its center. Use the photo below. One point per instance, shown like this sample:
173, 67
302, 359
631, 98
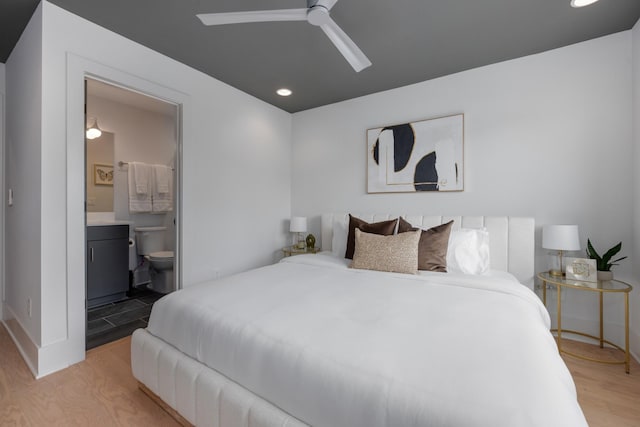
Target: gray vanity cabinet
107, 264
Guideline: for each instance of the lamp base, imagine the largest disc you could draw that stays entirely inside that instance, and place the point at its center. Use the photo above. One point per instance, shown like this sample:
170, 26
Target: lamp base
556, 268
556, 273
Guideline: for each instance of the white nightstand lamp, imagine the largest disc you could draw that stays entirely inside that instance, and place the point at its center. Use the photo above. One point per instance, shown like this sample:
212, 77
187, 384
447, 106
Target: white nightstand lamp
560, 238
299, 226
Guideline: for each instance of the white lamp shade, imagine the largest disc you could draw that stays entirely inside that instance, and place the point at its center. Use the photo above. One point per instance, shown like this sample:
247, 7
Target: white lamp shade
561, 237
298, 224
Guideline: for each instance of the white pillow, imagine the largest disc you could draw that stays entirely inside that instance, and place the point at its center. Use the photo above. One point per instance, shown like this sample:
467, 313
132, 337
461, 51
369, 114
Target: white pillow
468, 251
340, 235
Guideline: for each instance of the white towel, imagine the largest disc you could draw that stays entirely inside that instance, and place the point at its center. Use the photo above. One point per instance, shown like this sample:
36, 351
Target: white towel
142, 175
162, 176
162, 200
137, 202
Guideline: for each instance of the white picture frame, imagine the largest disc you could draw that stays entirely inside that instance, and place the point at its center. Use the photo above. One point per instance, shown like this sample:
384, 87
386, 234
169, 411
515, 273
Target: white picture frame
583, 269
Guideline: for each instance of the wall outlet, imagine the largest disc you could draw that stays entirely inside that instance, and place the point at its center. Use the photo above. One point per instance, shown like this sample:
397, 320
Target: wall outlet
29, 307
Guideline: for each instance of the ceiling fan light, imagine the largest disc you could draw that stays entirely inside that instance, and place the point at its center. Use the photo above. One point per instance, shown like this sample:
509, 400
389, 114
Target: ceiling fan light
94, 131
582, 3
284, 91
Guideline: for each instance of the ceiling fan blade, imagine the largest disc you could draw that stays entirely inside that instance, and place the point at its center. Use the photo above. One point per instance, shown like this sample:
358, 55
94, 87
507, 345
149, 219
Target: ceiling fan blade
346, 46
328, 4
253, 16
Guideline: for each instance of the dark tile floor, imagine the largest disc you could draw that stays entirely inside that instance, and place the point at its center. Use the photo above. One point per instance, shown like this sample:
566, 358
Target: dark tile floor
117, 320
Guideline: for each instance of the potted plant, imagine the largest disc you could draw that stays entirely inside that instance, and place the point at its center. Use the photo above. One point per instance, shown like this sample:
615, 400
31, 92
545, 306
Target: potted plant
604, 262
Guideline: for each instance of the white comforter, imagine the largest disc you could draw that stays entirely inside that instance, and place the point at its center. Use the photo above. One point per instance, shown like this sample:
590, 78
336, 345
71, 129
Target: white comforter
340, 347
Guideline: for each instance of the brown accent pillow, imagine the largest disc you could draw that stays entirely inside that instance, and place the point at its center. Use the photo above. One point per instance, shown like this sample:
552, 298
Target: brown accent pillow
434, 243
396, 253
384, 228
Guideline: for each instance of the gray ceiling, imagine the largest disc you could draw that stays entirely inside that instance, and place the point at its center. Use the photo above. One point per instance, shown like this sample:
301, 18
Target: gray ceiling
408, 41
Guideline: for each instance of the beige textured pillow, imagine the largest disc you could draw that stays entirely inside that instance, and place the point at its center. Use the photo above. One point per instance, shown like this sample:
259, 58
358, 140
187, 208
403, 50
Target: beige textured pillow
396, 253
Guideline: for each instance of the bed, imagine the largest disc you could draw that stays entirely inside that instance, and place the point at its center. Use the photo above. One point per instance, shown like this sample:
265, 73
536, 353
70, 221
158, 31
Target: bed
309, 341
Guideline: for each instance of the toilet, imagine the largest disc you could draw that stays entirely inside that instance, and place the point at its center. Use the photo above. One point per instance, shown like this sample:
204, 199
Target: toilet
150, 243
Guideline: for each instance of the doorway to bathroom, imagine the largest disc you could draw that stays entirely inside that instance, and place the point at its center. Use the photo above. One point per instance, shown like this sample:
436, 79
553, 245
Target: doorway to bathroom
131, 193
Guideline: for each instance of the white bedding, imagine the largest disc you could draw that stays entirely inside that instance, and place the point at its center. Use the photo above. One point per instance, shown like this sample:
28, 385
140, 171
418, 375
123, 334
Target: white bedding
340, 347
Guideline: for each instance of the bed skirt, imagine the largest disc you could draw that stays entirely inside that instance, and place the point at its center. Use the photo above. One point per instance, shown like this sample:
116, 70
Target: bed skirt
202, 396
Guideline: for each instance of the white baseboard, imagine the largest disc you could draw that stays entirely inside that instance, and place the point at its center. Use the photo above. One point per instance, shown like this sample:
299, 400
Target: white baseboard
46, 360
27, 348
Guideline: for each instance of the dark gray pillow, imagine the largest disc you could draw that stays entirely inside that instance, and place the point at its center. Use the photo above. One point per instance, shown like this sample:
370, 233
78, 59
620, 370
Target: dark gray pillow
384, 228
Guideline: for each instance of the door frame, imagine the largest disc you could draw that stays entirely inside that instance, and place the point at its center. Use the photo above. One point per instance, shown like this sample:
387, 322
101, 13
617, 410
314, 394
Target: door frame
79, 68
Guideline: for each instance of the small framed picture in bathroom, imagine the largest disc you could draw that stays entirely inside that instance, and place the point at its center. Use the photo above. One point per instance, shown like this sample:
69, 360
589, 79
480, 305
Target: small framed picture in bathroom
102, 174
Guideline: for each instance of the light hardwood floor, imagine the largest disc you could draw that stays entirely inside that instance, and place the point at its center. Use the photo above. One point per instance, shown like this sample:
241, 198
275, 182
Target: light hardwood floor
609, 397
102, 392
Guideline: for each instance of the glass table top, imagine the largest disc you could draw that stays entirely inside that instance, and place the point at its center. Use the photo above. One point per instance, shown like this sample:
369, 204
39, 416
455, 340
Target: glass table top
599, 286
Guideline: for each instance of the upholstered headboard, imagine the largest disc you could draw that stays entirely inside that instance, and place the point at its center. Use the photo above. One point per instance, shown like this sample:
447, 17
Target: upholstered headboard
511, 239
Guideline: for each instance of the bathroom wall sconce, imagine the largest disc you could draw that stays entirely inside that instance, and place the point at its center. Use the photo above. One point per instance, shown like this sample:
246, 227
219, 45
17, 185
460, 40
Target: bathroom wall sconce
94, 131
298, 225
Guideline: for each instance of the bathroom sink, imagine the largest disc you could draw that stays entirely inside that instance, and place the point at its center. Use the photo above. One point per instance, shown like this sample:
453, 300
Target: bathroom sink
104, 218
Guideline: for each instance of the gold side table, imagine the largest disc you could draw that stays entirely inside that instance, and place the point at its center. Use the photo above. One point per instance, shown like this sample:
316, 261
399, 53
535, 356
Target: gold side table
290, 251
601, 287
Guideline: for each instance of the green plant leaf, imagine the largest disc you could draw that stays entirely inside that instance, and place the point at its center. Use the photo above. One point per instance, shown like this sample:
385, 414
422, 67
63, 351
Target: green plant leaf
604, 262
619, 259
611, 252
591, 252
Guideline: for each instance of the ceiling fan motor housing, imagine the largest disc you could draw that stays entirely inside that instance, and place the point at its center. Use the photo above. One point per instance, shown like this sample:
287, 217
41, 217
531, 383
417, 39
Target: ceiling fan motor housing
318, 15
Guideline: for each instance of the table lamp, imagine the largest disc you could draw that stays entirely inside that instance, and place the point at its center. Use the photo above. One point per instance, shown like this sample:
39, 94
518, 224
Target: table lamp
299, 226
560, 238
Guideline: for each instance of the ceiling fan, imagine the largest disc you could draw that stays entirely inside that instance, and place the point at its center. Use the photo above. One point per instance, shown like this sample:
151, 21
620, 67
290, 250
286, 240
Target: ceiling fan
316, 13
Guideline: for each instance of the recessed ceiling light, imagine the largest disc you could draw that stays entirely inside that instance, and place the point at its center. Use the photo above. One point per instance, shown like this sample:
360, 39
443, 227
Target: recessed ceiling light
582, 3
284, 92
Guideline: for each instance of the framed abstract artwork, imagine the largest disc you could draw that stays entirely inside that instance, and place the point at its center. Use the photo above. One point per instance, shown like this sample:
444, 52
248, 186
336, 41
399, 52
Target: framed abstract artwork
426, 155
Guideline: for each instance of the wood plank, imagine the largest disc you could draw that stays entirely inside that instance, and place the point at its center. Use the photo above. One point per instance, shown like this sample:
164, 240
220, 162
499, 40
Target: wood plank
608, 396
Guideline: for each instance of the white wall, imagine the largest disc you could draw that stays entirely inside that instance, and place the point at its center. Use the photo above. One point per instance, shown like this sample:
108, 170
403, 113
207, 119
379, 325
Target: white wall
99, 151
236, 172
547, 136
24, 176
635, 260
2, 172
